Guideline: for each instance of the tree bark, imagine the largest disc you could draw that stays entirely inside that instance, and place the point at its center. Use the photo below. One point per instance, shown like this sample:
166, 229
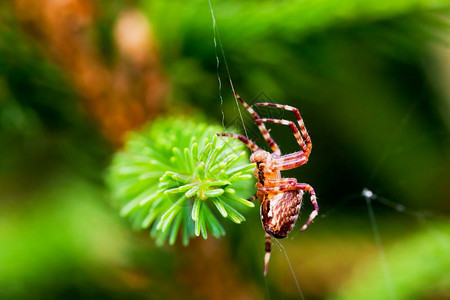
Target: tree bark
118, 97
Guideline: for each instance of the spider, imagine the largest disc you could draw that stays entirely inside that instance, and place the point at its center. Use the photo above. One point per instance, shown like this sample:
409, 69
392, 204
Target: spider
280, 198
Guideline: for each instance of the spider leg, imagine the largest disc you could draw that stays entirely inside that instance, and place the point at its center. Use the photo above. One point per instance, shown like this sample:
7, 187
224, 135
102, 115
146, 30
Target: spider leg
281, 181
255, 196
300, 122
276, 150
267, 255
294, 129
242, 138
306, 187
279, 188
290, 161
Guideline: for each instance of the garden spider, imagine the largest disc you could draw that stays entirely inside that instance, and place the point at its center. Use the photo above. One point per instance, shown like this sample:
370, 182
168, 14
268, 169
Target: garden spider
280, 198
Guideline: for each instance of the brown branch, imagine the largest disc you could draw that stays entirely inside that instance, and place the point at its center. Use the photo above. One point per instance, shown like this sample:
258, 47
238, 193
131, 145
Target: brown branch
119, 97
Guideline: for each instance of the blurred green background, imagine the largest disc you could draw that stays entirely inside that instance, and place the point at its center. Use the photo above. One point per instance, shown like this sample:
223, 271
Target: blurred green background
371, 79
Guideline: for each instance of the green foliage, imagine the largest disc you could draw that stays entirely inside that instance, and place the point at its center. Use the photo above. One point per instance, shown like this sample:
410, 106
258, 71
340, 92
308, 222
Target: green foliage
172, 175
54, 233
418, 266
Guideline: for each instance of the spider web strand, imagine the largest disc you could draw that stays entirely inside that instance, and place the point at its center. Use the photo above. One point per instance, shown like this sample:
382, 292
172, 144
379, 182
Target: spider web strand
218, 42
290, 267
368, 195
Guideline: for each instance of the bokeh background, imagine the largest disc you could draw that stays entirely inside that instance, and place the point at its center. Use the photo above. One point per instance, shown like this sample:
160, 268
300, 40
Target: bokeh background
372, 81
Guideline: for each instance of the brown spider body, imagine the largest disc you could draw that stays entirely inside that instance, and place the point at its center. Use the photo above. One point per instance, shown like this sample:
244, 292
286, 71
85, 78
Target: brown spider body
280, 198
279, 211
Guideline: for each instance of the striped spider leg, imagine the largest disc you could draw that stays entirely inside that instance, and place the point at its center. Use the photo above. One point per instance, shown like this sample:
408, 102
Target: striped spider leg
280, 198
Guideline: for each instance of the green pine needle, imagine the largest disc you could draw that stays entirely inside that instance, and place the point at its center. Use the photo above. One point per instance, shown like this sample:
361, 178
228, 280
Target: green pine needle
176, 178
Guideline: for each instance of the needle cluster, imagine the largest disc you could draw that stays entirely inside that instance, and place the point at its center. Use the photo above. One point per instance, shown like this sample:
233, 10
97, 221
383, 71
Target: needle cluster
177, 178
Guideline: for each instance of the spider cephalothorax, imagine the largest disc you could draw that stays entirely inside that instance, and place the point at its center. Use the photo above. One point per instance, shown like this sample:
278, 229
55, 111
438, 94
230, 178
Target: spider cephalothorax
280, 198
264, 166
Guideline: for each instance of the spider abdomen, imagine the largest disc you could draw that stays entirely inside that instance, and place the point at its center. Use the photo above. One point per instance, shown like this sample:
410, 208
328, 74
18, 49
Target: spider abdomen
279, 212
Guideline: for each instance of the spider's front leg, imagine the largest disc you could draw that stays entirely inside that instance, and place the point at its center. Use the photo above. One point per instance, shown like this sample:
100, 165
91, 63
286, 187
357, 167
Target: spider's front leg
295, 131
301, 124
265, 133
